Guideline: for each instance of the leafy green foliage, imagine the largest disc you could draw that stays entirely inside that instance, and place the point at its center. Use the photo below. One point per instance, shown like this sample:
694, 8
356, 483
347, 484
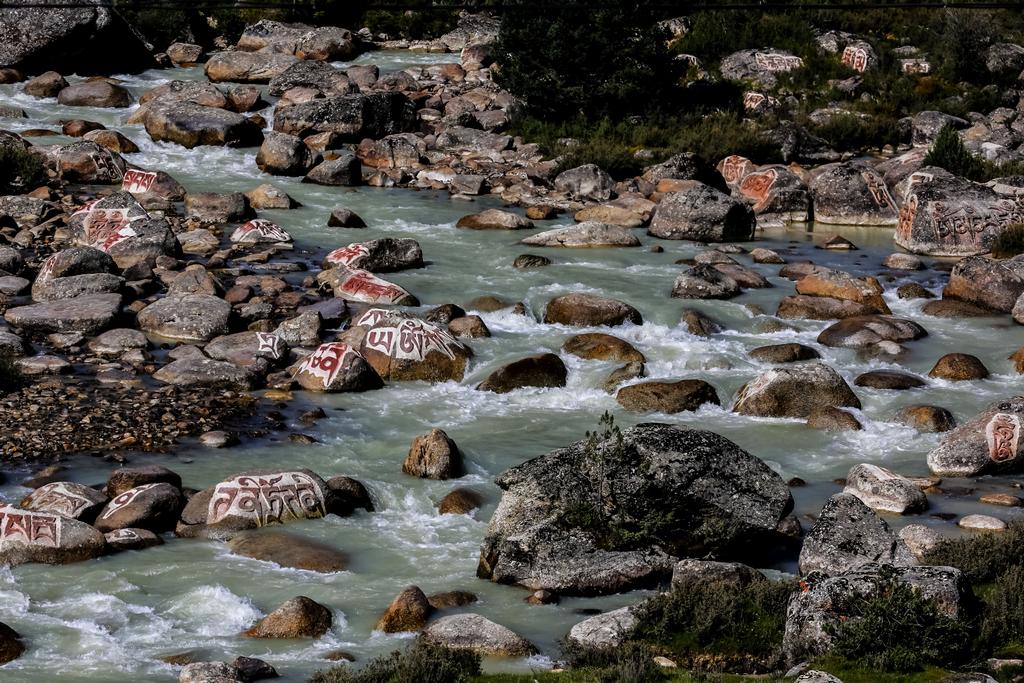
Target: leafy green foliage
1003, 616
981, 557
849, 133
630, 663
895, 628
420, 663
20, 170
614, 146
570, 59
949, 152
1010, 242
739, 626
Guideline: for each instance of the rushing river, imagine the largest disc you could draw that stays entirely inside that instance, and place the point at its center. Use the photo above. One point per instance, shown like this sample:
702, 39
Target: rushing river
108, 620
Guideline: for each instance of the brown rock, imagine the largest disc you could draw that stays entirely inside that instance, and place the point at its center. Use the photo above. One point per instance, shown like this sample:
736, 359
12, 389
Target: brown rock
299, 617
461, 501
46, 84
839, 285
913, 290
126, 478
288, 550
832, 419
928, 419
1018, 360
450, 599
598, 346
821, 308
433, 456
667, 397
784, 353
699, 324
544, 370
587, 310
469, 327
955, 309
959, 367
1001, 499
407, 612
11, 646
541, 213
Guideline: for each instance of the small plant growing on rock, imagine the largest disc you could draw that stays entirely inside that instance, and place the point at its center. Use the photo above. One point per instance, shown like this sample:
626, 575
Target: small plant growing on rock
894, 628
421, 662
1009, 242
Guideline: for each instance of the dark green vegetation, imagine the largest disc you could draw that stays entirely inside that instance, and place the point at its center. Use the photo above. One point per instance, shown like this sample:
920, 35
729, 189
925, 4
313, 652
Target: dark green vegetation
20, 170
948, 152
716, 624
895, 629
993, 565
662, 117
420, 663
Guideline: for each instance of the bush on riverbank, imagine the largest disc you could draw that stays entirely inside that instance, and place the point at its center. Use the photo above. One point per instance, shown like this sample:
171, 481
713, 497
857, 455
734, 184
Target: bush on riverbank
421, 662
949, 152
896, 629
719, 625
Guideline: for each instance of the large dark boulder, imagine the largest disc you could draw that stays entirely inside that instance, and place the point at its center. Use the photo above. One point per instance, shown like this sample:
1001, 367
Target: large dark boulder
702, 213
190, 125
84, 37
606, 515
351, 117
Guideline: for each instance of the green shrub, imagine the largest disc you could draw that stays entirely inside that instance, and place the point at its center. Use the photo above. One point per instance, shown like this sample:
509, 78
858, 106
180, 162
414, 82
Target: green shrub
20, 170
850, 133
894, 628
981, 557
420, 663
949, 152
738, 626
1010, 242
630, 662
571, 59
1003, 616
